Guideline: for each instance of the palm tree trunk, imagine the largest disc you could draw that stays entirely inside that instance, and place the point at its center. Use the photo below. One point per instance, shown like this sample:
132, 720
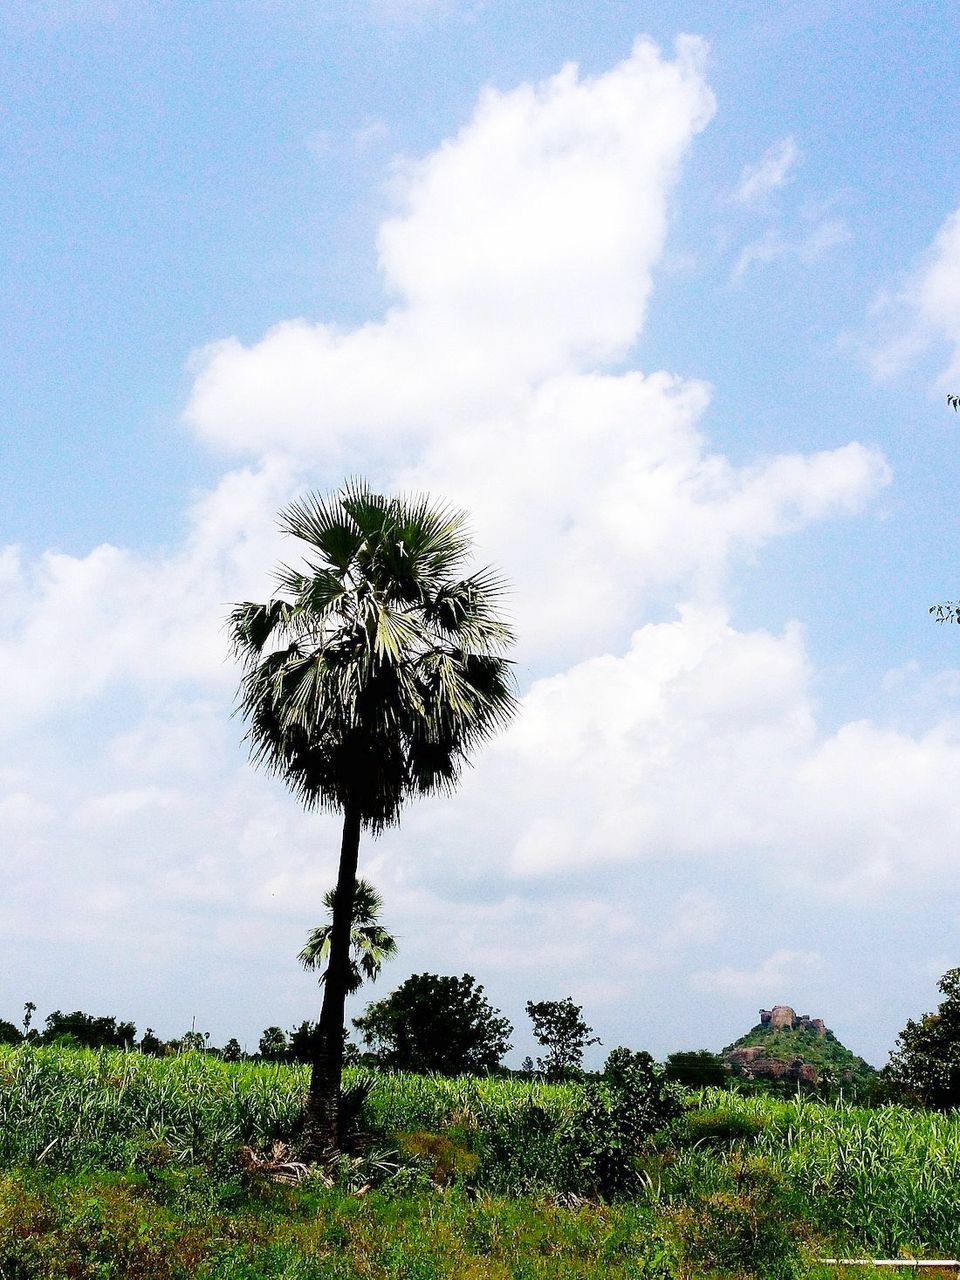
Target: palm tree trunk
322, 1113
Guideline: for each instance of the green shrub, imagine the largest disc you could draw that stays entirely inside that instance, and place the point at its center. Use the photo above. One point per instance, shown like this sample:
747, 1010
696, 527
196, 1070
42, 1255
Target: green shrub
748, 1228
620, 1114
721, 1128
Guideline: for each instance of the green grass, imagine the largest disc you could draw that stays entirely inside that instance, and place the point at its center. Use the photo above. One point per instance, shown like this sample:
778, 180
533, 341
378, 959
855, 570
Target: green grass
103, 1227
468, 1176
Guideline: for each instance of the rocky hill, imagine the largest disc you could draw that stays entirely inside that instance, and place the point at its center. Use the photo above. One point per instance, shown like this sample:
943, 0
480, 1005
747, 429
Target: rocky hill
793, 1047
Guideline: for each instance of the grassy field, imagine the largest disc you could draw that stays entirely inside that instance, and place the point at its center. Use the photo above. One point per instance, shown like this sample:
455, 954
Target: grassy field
118, 1165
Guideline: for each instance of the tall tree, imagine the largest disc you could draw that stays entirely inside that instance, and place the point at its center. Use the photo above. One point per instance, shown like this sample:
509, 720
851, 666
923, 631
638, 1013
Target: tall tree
367, 679
559, 1027
370, 942
925, 1065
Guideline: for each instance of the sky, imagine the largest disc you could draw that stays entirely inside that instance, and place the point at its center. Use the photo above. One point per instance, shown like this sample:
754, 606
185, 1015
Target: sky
667, 297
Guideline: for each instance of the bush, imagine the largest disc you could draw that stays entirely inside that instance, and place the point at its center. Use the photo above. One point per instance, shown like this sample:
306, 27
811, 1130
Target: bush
621, 1113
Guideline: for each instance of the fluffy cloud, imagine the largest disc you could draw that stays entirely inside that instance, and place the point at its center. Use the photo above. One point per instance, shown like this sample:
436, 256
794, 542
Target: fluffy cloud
923, 312
519, 259
521, 248
702, 742
74, 626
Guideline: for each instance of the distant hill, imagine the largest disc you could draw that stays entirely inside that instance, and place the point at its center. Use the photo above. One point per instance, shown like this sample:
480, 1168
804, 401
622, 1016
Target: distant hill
788, 1046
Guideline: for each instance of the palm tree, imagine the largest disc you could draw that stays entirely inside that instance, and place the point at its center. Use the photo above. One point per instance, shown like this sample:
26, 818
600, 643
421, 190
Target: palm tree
370, 943
368, 678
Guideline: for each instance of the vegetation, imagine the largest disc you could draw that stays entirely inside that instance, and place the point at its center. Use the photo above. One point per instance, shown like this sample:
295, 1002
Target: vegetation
926, 1062
118, 1164
697, 1068
436, 1023
559, 1027
368, 679
831, 1060
370, 943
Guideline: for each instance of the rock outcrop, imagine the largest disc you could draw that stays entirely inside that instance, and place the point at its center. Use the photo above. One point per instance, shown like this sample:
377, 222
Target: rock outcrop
781, 1015
794, 1048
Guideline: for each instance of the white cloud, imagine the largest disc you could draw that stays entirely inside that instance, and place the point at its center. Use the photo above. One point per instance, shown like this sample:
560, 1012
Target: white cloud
924, 311
522, 248
75, 625
519, 259
772, 171
782, 970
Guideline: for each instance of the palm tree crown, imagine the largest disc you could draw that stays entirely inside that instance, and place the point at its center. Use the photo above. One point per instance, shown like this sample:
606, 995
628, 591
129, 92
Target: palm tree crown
376, 667
370, 942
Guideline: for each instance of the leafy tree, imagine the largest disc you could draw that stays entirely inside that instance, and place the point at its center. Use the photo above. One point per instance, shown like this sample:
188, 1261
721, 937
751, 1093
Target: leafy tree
925, 1064
559, 1027
621, 1062
151, 1044
9, 1034
300, 1043
620, 1112
368, 679
88, 1031
29, 1009
434, 1023
273, 1045
370, 943
232, 1051
696, 1068
194, 1041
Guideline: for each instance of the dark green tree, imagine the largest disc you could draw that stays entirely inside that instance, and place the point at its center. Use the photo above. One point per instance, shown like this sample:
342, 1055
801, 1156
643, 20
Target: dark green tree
273, 1045
559, 1028
368, 679
436, 1023
88, 1031
370, 943
232, 1051
696, 1068
925, 1065
151, 1044
9, 1034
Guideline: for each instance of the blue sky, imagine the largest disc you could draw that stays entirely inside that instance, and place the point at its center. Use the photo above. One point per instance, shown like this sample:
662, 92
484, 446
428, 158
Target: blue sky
677, 327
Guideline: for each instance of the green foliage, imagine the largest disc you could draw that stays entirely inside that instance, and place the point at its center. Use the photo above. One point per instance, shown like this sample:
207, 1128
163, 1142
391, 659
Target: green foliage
436, 1023
926, 1062
232, 1051
151, 1044
107, 1228
370, 943
168, 1133
721, 1126
376, 668
697, 1068
9, 1034
745, 1228
618, 1116
88, 1032
273, 1045
559, 1027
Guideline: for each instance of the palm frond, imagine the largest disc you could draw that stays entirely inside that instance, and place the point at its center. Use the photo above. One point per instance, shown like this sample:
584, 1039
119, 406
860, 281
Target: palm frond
380, 664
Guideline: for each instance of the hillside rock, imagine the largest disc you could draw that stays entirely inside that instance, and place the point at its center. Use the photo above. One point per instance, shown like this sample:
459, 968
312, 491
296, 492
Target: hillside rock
785, 1045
